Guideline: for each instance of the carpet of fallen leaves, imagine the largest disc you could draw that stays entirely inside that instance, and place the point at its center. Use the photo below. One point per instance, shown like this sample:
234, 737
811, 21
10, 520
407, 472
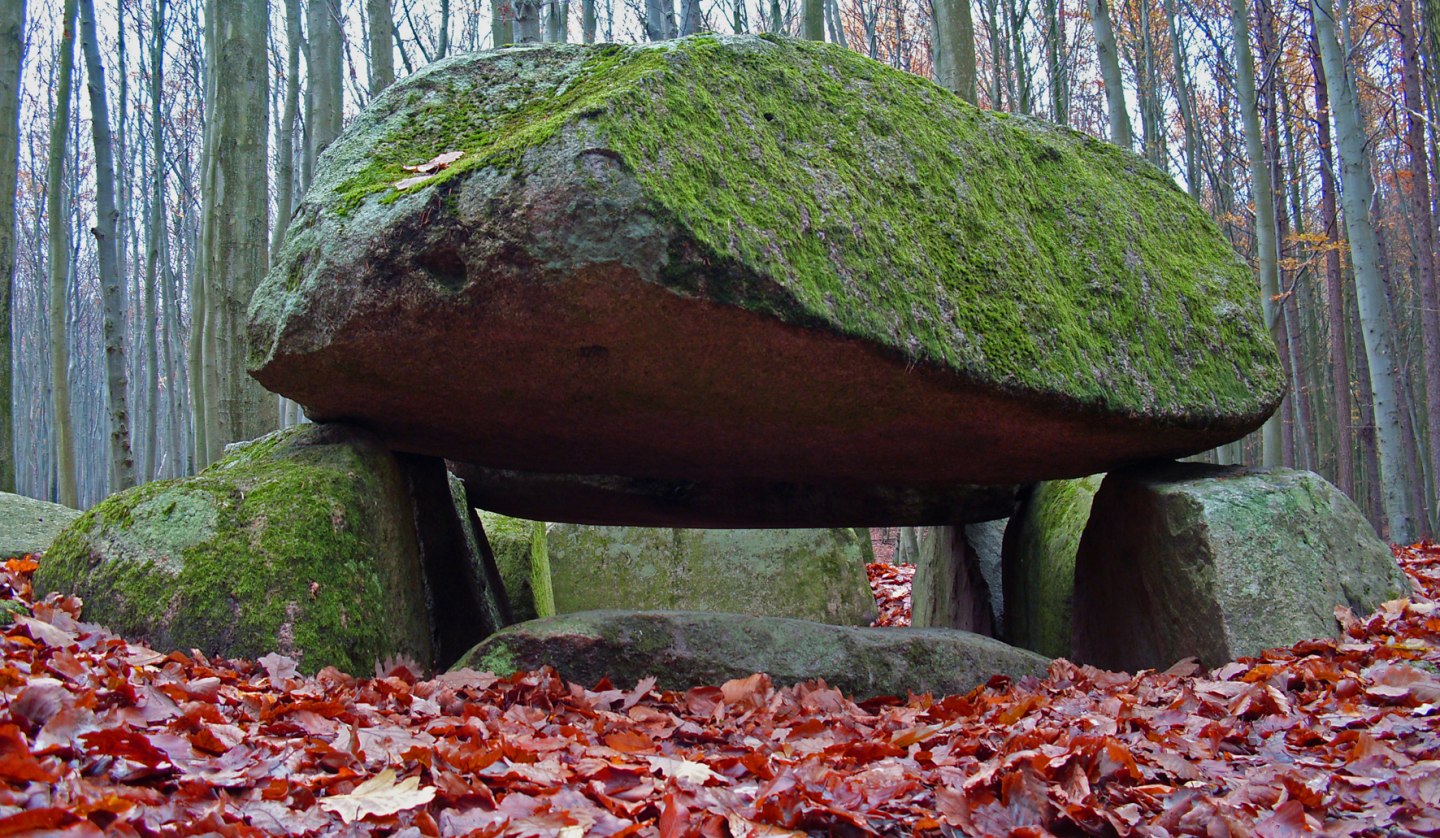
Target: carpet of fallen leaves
891, 584
99, 735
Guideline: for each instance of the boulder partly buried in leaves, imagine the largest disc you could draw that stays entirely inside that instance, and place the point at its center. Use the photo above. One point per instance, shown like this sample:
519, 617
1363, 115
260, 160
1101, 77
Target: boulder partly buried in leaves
810, 574
28, 525
746, 259
301, 542
1217, 563
683, 649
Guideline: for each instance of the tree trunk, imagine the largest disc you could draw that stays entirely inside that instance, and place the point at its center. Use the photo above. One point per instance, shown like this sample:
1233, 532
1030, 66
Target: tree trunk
1055, 41
1375, 318
234, 253
1265, 244
382, 50
324, 97
1185, 101
12, 44
557, 21
285, 138
691, 18
1420, 206
1109, 59
587, 21
812, 19
66, 487
442, 47
1334, 289
657, 13
954, 48
122, 462
527, 22
502, 18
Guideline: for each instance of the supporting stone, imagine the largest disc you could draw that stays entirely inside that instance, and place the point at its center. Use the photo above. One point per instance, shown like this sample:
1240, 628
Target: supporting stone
1190, 560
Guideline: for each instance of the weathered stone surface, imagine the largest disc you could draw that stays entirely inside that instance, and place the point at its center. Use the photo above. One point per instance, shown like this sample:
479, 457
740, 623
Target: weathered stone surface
28, 525
814, 574
653, 502
686, 649
510, 542
987, 542
301, 542
949, 589
1218, 563
751, 261
1039, 563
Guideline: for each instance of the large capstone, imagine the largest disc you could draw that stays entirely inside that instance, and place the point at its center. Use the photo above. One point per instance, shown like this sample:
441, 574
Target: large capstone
742, 261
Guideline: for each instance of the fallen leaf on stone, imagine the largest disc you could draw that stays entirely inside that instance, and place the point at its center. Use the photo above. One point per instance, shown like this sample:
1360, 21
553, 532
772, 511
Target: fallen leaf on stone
436, 163
379, 795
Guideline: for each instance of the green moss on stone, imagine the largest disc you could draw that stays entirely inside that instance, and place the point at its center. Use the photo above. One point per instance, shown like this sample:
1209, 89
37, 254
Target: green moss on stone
278, 546
1031, 256
1040, 571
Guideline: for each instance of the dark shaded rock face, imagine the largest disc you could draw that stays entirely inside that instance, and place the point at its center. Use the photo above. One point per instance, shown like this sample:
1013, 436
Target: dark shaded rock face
684, 649
1218, 563
743, 262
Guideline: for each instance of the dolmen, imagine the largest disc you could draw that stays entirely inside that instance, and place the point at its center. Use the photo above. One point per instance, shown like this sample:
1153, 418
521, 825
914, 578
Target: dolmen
737, 282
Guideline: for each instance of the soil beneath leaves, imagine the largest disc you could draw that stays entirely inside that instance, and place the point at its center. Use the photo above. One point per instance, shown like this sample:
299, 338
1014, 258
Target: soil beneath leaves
98, 735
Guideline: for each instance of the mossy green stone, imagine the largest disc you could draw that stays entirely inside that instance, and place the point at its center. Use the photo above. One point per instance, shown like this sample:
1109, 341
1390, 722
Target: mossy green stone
683, 649
301, 542
745, 258
1039, 563
810, 574
1192, 560
510, 541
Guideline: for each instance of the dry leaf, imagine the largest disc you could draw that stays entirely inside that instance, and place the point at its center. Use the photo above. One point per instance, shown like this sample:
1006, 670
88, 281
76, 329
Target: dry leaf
379, 795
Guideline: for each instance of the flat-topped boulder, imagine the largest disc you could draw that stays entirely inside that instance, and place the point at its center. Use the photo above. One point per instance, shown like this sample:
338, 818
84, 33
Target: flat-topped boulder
739, 261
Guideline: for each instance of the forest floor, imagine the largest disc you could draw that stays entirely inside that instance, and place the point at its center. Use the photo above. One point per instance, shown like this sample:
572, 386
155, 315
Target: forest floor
101, 735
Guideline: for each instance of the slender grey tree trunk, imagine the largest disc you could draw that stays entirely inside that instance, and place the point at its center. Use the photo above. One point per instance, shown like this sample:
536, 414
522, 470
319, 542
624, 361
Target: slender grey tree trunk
527, 22
234, 252
122, 461
1375, 317
502, 18
557, 21
812, 19
833, 20
587, 21
1265, 243
658, 13
442, 48
691, 18
382, 49
66, 477
1339, 359
324, 96
953, 45
1108, 56
1420, 206
12, 45
1055, 64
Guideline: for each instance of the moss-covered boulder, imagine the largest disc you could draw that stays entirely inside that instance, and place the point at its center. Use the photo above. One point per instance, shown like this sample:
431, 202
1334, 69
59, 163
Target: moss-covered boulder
752, 260
1039, 563
687, 649
302, 542
1191, 560
815, 574
28, 525
510, 543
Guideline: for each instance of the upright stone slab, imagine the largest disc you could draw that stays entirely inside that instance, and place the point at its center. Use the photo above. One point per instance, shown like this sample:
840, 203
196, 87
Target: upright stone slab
1220, 562
302, 542
816, 574
758, 269
509, 540
688, 649
949, 589
1039, 563
28, 525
